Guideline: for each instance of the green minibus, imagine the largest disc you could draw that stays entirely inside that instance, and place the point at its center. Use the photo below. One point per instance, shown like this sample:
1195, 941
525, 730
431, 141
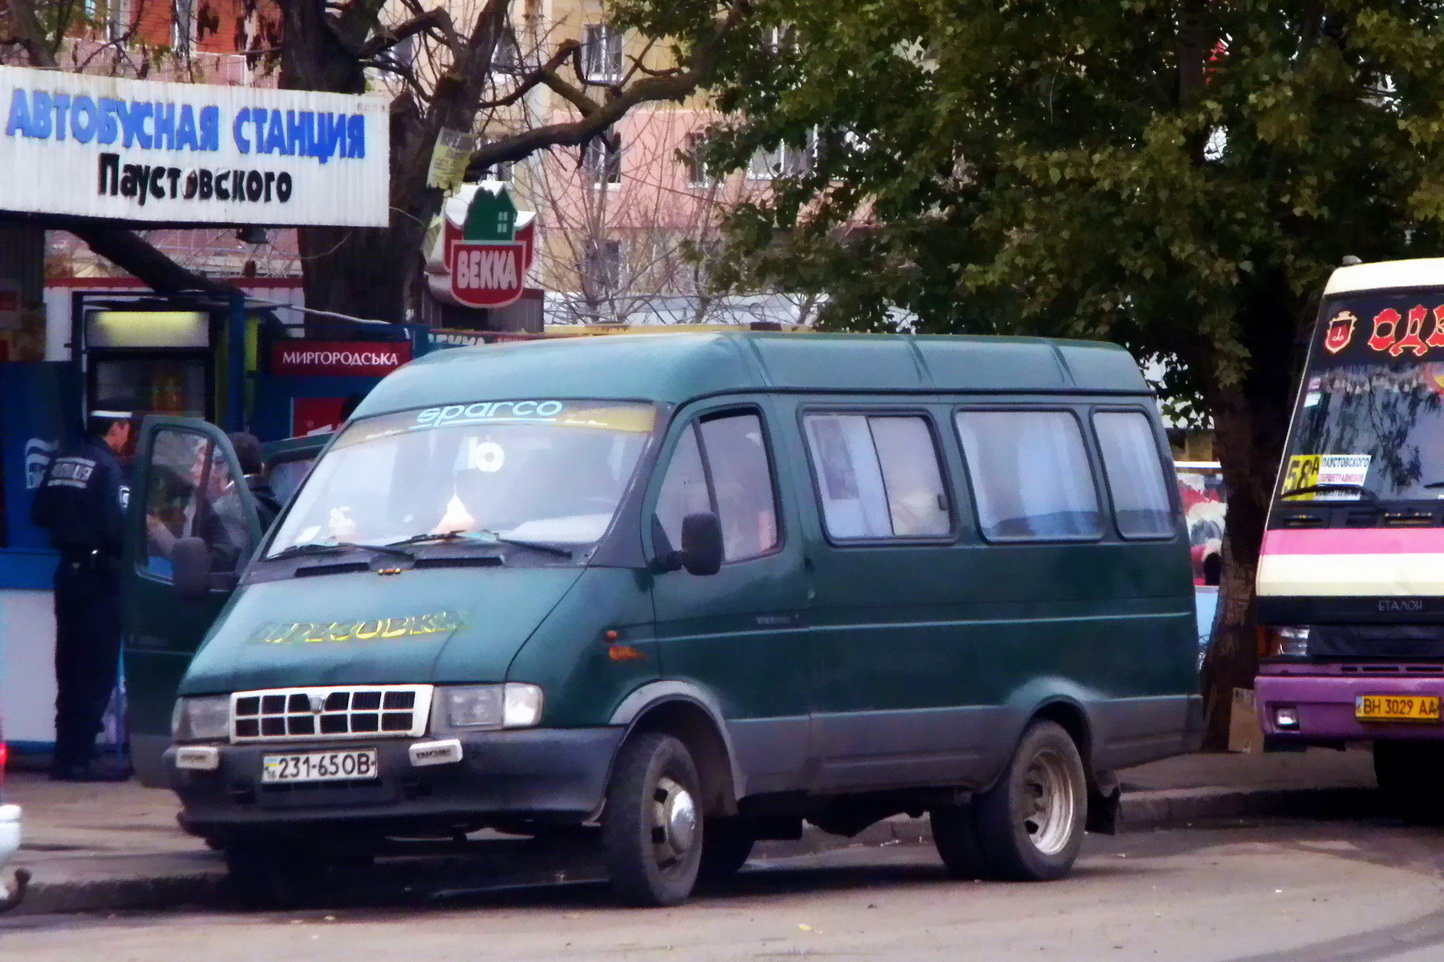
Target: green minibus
689, 590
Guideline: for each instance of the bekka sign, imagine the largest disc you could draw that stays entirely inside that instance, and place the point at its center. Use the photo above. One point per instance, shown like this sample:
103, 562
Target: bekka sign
302, 358
484, 249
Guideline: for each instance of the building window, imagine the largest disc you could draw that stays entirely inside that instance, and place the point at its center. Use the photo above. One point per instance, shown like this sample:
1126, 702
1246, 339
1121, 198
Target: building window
784, 160
505, 171
694, 156
506, 58
183, 26
602, 158
1030, 475
602, 53
602, 265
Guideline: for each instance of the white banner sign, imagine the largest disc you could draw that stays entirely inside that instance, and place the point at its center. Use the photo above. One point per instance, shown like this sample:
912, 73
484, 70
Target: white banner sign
190, 153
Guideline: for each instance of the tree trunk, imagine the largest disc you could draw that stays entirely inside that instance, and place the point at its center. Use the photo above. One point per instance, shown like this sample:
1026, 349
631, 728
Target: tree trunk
1251, 420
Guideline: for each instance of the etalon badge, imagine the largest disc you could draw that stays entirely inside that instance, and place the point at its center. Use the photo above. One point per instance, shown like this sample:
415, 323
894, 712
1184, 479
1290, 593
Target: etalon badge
317, 704
1340, 332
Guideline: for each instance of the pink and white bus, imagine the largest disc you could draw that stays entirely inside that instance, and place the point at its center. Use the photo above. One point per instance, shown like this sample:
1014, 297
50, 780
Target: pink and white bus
1351, 575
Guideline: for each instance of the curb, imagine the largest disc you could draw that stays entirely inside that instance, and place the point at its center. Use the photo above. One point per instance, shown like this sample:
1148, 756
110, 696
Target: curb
1141, 811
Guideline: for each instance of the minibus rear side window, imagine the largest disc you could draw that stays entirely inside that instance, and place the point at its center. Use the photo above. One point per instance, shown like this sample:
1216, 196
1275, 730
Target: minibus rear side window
877, 476
1131, 464
1030, 475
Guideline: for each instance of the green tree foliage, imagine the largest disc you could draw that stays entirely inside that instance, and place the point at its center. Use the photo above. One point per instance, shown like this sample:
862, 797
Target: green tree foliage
1176, 175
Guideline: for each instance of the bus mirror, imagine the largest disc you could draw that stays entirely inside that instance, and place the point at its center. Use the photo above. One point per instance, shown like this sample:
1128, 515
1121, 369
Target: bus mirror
701, 552
190, 560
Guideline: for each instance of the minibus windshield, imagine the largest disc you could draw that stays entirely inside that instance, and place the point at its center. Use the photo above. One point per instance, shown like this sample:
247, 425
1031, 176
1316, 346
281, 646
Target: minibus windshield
525, 472
1370, 425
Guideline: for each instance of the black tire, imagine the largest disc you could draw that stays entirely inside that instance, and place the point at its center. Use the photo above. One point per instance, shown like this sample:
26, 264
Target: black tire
726, 843
651, 826
955, 835
1411, 779
1030, 824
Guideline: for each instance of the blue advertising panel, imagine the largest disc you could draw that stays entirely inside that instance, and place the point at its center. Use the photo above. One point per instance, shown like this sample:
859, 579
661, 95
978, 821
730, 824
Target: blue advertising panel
37, 415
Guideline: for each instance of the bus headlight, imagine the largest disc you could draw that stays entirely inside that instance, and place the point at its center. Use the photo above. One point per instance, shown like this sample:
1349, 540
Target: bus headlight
1289, 642
201, 719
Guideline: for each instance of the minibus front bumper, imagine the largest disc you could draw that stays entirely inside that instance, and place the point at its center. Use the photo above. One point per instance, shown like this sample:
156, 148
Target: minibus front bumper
545, 775
1324, 707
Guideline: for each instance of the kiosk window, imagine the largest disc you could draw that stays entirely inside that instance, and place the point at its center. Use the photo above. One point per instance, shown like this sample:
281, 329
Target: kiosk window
1135, 474
1030, 475
878, 477
191, 492
721, 465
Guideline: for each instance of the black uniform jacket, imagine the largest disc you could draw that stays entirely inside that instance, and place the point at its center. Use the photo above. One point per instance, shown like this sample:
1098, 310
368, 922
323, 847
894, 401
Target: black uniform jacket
82, 501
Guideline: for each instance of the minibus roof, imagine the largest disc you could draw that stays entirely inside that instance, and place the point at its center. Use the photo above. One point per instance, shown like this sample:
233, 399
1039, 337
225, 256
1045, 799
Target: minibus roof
679, 367
1386, 275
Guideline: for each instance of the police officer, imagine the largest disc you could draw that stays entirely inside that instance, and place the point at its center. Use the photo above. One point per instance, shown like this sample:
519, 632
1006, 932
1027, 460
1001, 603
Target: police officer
82, 501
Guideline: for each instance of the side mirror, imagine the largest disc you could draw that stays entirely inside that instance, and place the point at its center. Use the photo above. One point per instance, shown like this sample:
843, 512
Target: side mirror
190, 560
701, 552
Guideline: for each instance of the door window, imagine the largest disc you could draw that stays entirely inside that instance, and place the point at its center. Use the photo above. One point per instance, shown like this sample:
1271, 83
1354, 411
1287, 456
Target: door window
721, 465
191, 492
877, 476
1030, 475
1135, 474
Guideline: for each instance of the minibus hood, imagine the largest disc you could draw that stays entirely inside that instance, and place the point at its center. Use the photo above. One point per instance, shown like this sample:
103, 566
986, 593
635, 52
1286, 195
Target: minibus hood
365, 628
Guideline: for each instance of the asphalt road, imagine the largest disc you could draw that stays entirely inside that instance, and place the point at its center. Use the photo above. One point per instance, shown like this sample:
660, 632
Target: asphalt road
1311, 892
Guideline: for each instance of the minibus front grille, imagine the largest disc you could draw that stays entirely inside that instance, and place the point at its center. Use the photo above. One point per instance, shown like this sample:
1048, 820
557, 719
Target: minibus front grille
323, 714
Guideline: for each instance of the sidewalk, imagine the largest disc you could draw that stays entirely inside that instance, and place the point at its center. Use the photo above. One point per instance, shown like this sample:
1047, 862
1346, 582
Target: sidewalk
106, 846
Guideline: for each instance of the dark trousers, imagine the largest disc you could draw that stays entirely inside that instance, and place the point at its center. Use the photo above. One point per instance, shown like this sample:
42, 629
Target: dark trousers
87, 655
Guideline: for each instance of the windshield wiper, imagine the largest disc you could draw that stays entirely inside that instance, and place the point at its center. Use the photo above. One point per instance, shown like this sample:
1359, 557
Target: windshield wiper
1311, 488
324, 547
480, 538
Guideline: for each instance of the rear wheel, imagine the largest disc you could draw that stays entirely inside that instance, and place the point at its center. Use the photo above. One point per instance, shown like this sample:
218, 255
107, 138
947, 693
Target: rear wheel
651, 825
1030, 824
955, 835
1411, 778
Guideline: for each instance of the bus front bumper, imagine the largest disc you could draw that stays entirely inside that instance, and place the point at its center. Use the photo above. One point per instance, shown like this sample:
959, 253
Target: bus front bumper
1322, 708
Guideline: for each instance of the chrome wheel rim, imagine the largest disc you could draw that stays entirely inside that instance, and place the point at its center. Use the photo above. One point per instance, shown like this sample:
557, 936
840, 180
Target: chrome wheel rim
1047, 803
674, 822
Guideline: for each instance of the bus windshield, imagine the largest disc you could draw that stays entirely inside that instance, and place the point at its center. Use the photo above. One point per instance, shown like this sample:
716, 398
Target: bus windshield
1370, 425
539, 471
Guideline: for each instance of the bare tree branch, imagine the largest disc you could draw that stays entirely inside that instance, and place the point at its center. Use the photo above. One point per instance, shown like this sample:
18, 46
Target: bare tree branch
537, 77
597, 117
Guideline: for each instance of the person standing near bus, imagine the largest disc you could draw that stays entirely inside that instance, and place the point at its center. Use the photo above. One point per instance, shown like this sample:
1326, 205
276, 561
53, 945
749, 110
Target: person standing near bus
82, 501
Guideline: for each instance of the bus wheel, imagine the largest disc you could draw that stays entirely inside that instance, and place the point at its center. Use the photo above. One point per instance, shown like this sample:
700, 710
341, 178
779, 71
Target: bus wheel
1409, 778
1030, 824
955, 835
651, 826
726, 843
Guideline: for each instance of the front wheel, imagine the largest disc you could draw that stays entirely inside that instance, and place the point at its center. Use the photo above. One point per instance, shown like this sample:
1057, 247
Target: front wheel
1411, 779
651, 825
1030, 825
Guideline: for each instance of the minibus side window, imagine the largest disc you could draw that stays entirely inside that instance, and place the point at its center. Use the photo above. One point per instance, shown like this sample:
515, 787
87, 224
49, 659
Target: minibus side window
877, 476
735, 452
1030, 475
684, 489
721, 465
192, 493
1131, 464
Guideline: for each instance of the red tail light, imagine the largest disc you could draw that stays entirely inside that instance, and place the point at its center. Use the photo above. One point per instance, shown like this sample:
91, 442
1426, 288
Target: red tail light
4, 757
